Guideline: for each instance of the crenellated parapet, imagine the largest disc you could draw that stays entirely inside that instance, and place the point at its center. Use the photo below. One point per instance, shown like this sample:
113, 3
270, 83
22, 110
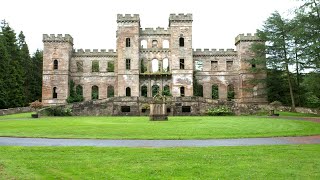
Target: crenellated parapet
214, 52
128, 18
94, 53
180, 17
57, 38
246, 38
152, 31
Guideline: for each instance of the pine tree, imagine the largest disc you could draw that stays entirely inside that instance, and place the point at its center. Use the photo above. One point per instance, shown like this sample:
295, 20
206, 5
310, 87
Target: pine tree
4, 64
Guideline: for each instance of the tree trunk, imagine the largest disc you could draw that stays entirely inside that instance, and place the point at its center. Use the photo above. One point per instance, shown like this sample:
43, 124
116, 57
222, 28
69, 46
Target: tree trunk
293, 106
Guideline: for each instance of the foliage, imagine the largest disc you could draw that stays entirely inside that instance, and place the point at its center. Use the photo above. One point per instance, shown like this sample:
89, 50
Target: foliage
58, 111
95, 66
20, 74
36, 105
220, 111
197, 88
143, 68
275, 105
145, 106
110, 67
215, 92
75, 95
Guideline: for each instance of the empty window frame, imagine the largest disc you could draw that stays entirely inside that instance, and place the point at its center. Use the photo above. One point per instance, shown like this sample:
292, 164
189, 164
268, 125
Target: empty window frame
125, 108
95, 66
181, 42
128, 61
94, 92
214, 65
54, 93
127, 42
229, 65
55, 64
182, 93
181, 63
215, 91
186, 109
128, 91
144, 91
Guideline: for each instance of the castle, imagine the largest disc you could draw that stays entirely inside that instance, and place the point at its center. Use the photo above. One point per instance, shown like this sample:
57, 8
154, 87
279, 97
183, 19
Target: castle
147, 61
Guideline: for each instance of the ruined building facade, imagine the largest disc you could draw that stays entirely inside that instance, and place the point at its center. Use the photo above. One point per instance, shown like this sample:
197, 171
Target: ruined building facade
147, 61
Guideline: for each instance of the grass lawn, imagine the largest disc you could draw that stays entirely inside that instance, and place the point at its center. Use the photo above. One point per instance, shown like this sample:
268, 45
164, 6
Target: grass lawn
188, 127
250, 162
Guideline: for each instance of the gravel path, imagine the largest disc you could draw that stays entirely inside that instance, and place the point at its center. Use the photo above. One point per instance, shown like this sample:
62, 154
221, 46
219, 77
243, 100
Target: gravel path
10, 141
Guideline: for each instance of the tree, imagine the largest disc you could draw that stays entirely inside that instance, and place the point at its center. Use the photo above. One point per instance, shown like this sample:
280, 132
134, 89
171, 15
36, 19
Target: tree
275, 33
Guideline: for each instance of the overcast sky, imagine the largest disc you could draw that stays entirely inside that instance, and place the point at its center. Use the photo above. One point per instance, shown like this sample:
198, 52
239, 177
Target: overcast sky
92, 23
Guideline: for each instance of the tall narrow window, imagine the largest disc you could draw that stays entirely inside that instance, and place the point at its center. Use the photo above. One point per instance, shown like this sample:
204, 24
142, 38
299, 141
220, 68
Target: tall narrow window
231, 92
79, 66
165, 44
182, 92
198, 90
144, 91
94, 92
55, 64
128, 91
127, 42
215, 91
144, 44
181, 42
181, 63
155, 65
110, 91
54, 93
128, 64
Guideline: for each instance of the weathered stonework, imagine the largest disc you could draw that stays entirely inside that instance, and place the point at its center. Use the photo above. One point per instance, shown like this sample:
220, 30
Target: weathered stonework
146, 58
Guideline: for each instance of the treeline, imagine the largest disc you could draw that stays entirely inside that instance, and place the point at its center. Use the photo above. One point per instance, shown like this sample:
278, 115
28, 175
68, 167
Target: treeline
20, 73
292, 54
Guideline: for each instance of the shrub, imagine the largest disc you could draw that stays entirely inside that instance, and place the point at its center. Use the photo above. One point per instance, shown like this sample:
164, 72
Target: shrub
220, 111
59, 111
36, 105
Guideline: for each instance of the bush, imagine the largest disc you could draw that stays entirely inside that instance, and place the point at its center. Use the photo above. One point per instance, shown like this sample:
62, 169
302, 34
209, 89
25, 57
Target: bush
220, 111
59, 111
36, 105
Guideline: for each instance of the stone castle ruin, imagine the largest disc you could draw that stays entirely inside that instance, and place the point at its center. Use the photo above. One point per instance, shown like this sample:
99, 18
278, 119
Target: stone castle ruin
147, 61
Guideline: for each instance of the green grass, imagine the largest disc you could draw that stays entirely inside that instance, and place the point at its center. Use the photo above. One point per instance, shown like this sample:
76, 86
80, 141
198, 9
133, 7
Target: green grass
196, 127
250, 162
295, 114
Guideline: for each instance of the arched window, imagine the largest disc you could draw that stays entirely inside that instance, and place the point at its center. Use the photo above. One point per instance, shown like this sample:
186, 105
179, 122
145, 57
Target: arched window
143, 66
79, 90
144, 44
182, 94
165, 44
54, 93
166, 90
144, 91
215, 91
155, 65
128, 91
127, 42
165, 65
181, 42
110, 91
198, 90
94, 92
55, 64
154, 44
155, 90
231, 92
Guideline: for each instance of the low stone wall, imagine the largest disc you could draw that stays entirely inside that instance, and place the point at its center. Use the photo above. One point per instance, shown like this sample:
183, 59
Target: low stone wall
14, 110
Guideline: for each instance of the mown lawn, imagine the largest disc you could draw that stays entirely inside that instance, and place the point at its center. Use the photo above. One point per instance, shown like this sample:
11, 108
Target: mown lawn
250, 162
188, 127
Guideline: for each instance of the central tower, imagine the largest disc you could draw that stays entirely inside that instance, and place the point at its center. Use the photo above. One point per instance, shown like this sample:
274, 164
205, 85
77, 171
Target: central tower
181, 54
127, 63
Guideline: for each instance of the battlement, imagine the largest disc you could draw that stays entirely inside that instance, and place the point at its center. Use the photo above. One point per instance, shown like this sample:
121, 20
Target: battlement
248, 37
128, 18
180, 17
214, 52
152, 31
94, 52
58, 38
